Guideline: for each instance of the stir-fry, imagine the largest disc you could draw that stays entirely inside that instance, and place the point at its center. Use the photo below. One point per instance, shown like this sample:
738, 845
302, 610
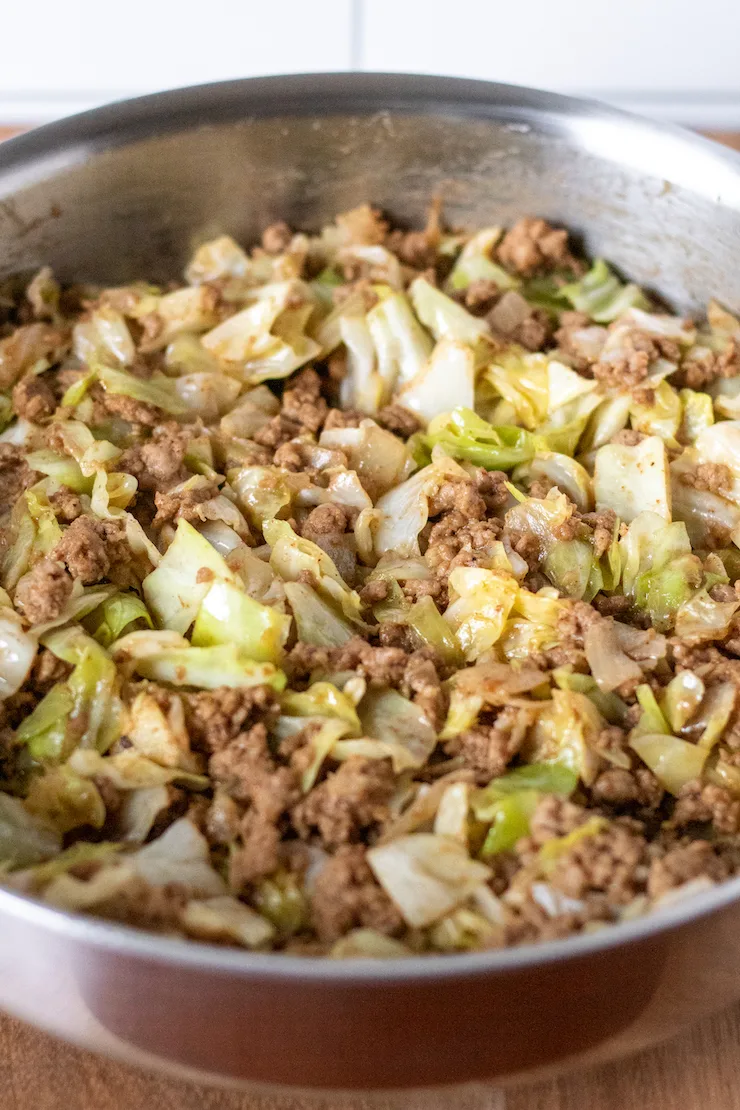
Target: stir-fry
371, 594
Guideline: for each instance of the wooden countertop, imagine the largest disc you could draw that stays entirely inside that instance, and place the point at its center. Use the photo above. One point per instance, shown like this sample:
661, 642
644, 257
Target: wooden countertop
695, 1071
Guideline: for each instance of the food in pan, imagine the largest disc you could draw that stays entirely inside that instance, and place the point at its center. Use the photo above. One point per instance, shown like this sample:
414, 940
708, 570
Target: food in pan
370, 594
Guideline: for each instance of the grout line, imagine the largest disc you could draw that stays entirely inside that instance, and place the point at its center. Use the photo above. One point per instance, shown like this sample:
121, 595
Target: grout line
357, 33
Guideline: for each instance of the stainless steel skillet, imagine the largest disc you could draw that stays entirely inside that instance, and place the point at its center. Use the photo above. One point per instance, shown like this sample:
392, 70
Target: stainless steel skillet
125, 192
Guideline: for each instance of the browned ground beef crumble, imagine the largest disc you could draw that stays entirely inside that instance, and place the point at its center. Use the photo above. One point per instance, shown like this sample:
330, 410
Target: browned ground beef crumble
394, 708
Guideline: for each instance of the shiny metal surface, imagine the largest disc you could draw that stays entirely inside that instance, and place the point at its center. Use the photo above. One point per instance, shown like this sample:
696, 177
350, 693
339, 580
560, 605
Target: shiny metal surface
125, 192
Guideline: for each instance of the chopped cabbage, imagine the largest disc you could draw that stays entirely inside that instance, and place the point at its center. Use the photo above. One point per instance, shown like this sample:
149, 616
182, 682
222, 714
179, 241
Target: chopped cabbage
464, 435
674, 762
426, 876
631, 480
445, 318
445, 382
602, 296
175, 589
480, 603
227, 615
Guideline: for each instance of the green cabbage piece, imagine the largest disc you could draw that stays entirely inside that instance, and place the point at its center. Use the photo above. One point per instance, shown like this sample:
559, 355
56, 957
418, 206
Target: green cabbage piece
445, 382
208, 668
158, 390
65, 800
228, 616
674, 762
317, 620
480, 603
44, 730
464, 435
402, 346
94, 718
63, 470
111, 619
175, 589
662, 417
602, 296
697, 414
474, 263
659, 571
521, 379
445, 318
17, 652
24, 839
293, 556
268, 338
432, 629
103, 338
506, 805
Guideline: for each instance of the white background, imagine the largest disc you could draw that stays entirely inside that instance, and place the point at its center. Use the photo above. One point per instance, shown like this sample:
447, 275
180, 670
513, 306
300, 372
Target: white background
672, 58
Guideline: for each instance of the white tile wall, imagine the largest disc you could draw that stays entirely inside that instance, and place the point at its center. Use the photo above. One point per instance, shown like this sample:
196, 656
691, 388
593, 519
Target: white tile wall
74, 55
675, 58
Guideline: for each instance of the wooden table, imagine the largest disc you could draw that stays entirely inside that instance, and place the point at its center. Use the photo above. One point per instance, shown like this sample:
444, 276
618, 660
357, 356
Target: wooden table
696, 1071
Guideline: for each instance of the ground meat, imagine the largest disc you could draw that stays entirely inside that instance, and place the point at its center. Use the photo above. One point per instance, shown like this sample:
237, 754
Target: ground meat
555, 816
47, 670
66, 505
258, 854
628, 437
324, 521
624, 372
128, 408
362, 226
460, 494
347, 896
223, 820
629, 366
683, 863
392, 634
276, 238
246, 770
216, 717
343, 418
397, 419
348, 804
277, 431
715, 477
697, 803
157, 908
602, 525
612, 606
579, 341
613, 863
380, 666
374, 592
414, 248
421, 682
26, 347
34, 400
481, 295
532, 246
488, 749
83, 549
534, 332
158, 463
15, 475
303, 402
183, 504
700, 369
43, 592
621, 788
